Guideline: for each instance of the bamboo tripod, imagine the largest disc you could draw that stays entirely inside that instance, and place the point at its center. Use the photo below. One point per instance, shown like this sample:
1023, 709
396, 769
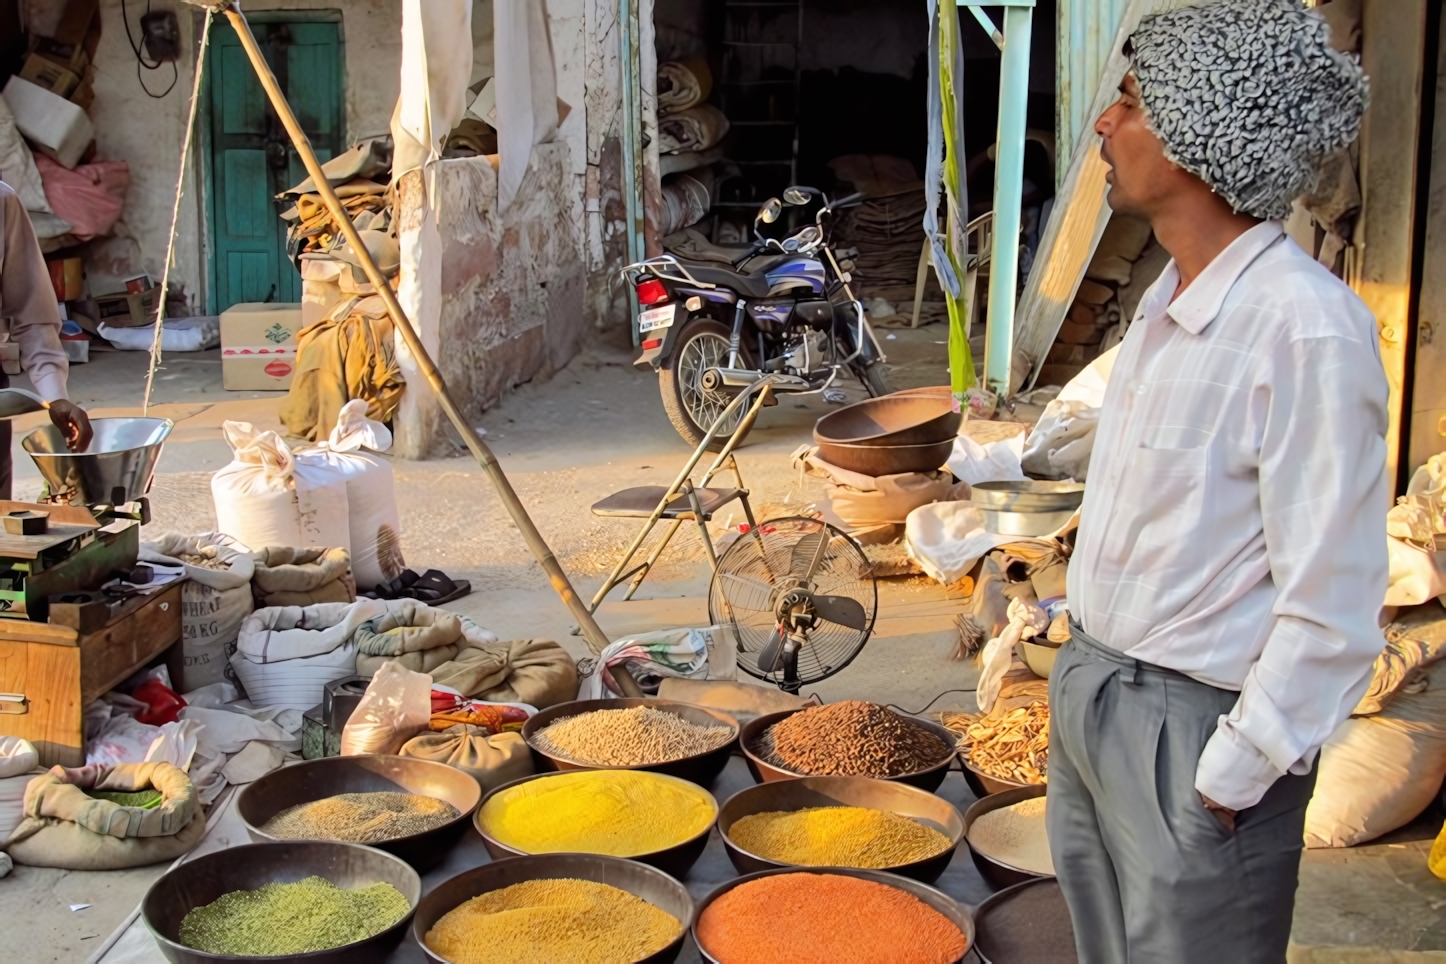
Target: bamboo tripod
591, 632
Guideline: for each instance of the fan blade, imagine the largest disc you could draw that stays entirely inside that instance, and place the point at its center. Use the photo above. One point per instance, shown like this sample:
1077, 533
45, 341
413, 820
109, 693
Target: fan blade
844, 610
772, 654
807, 554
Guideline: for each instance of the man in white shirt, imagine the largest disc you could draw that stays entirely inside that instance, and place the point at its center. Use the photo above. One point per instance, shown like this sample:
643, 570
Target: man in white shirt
29, 313
1231, 556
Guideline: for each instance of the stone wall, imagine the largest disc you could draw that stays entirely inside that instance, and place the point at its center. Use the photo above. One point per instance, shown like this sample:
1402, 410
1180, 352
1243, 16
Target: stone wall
498, 297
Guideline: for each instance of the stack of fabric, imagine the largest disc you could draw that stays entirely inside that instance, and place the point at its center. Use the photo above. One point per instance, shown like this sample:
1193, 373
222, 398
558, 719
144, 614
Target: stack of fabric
349, 354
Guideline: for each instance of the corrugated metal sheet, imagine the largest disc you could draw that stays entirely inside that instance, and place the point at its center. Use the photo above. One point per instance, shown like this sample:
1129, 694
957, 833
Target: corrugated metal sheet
1086, 36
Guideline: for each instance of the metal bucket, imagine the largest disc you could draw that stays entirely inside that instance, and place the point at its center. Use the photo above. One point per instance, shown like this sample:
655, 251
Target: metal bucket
122, 456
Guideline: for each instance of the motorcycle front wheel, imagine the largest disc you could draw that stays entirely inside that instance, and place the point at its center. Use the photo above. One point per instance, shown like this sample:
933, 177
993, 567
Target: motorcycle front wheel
702, 344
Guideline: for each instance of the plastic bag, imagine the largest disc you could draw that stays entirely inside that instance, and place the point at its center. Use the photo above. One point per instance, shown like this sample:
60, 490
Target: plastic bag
396, 707
1061, 442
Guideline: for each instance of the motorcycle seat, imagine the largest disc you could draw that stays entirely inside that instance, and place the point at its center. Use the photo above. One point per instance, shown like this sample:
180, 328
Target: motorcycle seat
748, 279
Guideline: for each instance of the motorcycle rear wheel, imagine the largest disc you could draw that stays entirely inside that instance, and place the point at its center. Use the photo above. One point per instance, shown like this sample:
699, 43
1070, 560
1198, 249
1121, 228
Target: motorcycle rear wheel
702, 344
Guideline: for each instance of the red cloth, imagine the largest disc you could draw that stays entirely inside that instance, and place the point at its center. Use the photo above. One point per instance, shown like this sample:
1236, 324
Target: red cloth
89, 197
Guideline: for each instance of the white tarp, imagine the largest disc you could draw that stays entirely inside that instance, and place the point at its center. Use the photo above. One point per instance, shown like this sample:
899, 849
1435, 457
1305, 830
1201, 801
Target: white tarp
436, 66
526, 90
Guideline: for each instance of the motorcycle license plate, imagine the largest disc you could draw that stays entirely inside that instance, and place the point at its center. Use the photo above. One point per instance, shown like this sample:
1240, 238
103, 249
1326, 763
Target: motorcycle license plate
655, 318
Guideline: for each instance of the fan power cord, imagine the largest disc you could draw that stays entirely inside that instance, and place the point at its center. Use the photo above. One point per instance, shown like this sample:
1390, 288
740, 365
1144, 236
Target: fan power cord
925, 708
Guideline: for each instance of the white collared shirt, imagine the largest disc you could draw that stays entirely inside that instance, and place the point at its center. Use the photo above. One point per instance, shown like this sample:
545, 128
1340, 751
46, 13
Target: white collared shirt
1233, 528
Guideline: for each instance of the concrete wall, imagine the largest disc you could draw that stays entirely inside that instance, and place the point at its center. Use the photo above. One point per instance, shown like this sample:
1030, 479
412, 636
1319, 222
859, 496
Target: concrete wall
147, 133
500, 294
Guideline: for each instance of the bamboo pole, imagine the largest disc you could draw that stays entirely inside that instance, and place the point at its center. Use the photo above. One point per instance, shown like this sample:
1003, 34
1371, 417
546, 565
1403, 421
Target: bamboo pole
596, 640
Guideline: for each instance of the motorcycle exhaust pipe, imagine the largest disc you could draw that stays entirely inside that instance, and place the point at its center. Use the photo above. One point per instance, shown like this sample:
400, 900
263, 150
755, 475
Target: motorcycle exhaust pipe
724, 379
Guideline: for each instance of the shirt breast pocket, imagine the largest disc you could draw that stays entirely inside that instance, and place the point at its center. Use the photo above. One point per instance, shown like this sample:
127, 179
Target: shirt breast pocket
1160, 506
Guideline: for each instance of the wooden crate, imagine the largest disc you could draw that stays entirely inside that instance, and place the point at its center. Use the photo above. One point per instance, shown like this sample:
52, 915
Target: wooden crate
58, 671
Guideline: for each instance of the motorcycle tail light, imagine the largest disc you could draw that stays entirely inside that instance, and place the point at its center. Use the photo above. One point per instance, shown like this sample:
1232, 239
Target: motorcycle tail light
652, 343
652, 292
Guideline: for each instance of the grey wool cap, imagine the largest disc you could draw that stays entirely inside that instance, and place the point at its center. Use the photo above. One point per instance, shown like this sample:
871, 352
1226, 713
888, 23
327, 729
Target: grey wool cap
1249, 96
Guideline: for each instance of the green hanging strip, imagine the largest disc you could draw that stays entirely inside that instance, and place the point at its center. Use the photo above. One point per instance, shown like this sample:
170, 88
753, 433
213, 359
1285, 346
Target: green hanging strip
961, 359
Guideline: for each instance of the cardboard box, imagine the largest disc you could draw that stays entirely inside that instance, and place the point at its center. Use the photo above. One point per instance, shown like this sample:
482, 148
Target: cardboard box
49, 75
128, 310
52, 123
258, 346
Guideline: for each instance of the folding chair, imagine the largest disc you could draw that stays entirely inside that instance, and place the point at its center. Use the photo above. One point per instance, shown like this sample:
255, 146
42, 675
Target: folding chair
683, 501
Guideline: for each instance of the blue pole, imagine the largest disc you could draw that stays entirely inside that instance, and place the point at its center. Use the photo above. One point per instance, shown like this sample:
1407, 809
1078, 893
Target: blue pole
630, 111
1008, 192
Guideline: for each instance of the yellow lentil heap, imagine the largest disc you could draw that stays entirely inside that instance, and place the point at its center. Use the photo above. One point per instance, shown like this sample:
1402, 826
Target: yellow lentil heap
837, 837
622, 813
553, 922
638, 736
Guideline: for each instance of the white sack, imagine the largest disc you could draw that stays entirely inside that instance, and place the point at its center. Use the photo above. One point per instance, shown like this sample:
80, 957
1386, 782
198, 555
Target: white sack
1060, 445
946, 539
213, 601
293, 683
280, 633
1377, 773
12, 801
267, 496
998, 461
230, 730
1415, 574
177, 334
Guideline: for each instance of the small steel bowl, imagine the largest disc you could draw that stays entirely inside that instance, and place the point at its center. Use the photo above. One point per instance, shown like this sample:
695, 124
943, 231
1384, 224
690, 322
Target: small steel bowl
198, 882
676, 860
1025, 923
701, 768
936, 899
319, 779
640, 880
928, 778
805, 792
983, 784
996, 872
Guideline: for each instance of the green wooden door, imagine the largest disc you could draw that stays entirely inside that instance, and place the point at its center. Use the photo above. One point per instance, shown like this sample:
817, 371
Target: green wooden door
251, 159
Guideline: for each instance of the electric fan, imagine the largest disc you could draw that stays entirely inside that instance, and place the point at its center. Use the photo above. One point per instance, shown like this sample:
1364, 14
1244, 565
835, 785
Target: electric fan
800, 597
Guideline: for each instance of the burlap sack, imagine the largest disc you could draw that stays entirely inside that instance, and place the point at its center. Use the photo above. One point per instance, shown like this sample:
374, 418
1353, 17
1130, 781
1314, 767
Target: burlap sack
287, 576
425, 661
490, 760
66, 828
408, 627
534, 671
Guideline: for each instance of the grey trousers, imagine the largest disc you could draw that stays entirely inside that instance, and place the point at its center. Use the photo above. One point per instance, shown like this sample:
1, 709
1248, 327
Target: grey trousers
1150, 875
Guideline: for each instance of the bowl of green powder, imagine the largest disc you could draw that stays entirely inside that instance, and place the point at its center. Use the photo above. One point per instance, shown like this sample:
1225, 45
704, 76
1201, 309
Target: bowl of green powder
323, 903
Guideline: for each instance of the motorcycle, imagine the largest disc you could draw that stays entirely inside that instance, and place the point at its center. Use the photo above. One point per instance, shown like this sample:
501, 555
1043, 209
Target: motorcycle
721, 319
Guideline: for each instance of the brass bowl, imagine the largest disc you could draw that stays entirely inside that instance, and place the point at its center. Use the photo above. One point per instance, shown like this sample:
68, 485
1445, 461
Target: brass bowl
928, 778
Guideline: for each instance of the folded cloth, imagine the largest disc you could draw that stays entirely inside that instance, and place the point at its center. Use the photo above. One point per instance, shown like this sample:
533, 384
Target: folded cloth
695, 129
683, 84
60, 794
534, 671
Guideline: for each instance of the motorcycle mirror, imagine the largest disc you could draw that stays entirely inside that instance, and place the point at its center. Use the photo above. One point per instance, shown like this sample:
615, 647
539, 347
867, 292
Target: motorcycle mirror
770, 211
796, 196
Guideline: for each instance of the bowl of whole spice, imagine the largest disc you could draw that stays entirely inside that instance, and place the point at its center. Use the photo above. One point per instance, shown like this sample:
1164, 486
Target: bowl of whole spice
664, 736
849, 738
841, 822
1007, 838
652, 818
323, 903
828, 915
416, 809
581, 908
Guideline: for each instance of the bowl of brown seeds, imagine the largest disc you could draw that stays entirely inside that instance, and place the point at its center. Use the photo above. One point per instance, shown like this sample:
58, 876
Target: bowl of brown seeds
664, 736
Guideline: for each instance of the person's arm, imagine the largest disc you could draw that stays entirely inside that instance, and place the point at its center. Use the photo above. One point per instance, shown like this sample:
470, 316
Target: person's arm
27, 298
1323, 498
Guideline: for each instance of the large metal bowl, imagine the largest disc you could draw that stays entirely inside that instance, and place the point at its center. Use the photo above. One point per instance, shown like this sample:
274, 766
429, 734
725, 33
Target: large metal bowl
319, 779
805, 792
198, 882
122, 455
938, 900
1026, 924
640, 880
997, 873
676, 860
879, 459
701, 768
983, 784
902, 419
928, 778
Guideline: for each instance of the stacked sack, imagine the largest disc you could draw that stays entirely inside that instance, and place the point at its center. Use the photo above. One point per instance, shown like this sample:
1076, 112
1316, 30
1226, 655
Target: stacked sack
873, 509
288, 576
332, 494
214, 599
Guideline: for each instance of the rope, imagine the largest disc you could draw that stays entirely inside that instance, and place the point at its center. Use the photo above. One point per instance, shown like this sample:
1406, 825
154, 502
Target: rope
176, 214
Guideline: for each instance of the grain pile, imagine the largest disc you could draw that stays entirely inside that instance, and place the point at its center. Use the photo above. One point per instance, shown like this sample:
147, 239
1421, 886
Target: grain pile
1012, 746
808, 918
621, 813
837, 837
203, 562
639, 736
1015, 835
361, 817
546, 921
277, 919
851, 738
